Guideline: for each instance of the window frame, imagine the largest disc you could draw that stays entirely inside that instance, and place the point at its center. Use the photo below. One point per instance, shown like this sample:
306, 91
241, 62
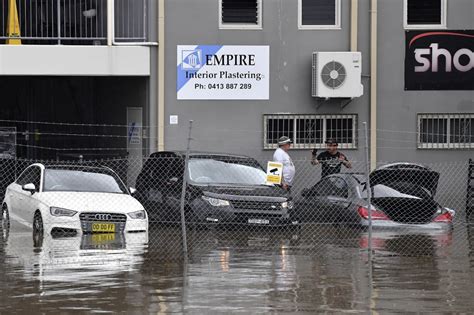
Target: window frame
333, 180
239, 26
38, 182
336, 26
448, 144
443, 25
305, 146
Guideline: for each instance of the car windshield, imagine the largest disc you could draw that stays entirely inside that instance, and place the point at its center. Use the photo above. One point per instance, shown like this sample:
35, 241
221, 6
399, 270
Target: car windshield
81, 181
210, 171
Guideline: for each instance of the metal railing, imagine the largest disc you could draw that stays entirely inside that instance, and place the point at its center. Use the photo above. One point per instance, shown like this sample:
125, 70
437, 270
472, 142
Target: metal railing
73, 22
131, 20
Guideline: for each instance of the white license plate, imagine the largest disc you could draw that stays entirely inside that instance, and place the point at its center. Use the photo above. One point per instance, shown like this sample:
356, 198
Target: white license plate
259, 221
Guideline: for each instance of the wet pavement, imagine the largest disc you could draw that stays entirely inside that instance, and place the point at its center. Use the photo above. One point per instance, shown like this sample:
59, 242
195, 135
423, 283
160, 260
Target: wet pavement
312, 269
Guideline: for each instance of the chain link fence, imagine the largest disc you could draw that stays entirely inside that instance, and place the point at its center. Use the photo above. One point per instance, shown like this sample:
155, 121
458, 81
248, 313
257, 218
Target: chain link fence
414, 209
197, 213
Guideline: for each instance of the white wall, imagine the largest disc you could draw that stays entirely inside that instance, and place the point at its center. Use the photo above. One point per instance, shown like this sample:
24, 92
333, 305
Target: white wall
74, 60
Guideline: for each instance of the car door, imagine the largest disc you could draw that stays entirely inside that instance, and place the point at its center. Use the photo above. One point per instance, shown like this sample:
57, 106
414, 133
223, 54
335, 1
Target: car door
338, 200
18, 196
171, 185
29, 202
14, 192
326, 201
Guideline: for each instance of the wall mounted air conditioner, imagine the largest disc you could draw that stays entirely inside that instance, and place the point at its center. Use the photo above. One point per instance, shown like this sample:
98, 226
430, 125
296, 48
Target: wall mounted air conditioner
337, 75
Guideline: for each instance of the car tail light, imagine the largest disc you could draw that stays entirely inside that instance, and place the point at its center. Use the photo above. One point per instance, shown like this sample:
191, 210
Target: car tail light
444, 216
376, 214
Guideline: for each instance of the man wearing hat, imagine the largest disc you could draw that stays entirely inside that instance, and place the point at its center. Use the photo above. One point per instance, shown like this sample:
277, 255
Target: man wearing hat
331, 159
281, 156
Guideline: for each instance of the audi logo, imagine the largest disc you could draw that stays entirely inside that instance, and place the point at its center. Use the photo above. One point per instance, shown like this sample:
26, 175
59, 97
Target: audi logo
103, 217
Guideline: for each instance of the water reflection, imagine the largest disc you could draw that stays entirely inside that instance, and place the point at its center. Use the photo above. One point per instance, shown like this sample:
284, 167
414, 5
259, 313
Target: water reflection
312, 269
88, 267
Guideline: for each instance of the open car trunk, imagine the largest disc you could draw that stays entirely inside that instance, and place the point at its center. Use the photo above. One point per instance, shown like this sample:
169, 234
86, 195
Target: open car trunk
405, 192
407, 210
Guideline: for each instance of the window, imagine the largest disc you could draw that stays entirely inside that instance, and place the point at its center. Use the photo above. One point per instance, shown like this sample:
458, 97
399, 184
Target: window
446, 131
424, 13
319, 14
310, 131
31, 175
240, 14
332, 186
339, 187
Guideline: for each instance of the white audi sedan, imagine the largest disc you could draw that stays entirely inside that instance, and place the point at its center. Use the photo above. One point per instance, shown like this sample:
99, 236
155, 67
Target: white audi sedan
73, 199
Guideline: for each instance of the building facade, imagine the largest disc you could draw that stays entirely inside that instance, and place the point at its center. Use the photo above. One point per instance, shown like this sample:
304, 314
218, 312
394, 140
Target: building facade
72, 68
410, 124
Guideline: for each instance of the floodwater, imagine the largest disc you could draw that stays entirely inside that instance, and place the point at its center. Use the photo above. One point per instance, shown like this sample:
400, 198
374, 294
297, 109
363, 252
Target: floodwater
307, 270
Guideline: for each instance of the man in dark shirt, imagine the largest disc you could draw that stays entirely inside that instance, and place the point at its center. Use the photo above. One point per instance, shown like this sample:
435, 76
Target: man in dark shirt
331, 159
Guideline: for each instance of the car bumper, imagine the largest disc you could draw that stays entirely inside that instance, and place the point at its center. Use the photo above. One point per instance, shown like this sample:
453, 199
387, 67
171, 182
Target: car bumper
237, 216
68, 224
395, 225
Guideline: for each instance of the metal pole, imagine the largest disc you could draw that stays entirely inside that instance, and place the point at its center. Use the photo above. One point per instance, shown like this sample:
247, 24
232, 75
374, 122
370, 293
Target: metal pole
368, 188
369, 207
110, 22
58, 7
183, 191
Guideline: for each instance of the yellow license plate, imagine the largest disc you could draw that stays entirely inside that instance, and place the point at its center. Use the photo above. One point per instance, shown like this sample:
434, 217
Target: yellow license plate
99, 239
103, 227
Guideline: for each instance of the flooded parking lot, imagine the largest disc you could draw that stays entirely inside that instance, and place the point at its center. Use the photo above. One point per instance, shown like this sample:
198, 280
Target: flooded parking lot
314, 268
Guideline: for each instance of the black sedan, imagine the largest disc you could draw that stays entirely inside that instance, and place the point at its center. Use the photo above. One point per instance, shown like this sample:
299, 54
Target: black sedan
402, 196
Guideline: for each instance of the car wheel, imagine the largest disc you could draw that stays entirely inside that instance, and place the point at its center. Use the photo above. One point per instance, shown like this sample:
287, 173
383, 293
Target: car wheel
38, 230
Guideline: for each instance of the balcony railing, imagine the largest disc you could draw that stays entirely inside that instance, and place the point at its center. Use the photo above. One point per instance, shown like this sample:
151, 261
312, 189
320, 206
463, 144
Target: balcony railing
72, 22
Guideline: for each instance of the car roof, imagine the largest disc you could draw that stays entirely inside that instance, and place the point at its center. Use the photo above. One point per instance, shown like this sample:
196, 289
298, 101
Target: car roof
77, 167
358, 177
199, 153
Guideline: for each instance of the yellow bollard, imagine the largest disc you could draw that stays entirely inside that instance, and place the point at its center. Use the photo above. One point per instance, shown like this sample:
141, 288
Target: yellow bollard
13, 25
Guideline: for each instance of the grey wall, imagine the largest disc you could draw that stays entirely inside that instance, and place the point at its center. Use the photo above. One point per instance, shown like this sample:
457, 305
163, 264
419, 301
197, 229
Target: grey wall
151, 118
236, 126
397, 108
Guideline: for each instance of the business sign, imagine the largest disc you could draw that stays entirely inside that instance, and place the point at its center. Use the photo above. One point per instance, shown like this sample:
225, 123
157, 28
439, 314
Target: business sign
7, 142
134, 133
439, 60
274, 173
215, 72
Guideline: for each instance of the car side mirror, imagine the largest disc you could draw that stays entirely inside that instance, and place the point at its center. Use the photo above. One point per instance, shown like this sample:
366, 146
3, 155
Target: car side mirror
132, 191
29, 187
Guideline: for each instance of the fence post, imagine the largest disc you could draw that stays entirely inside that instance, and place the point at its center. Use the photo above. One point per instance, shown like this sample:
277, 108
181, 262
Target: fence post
368, 188
369, 206
183, 191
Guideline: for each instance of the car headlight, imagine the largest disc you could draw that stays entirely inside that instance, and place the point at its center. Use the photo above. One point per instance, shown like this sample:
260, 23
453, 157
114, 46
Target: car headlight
287, 204
138, 215
216, 202
60, 212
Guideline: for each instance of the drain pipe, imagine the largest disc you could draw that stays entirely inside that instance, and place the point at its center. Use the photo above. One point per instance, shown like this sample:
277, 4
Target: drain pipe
373, 84
354, 23
110, 22
161, 75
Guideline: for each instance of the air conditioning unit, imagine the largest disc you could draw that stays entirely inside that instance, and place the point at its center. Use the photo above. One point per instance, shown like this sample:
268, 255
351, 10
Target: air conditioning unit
337, 75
